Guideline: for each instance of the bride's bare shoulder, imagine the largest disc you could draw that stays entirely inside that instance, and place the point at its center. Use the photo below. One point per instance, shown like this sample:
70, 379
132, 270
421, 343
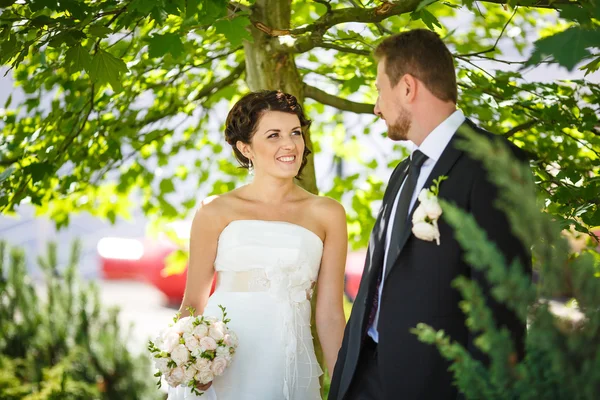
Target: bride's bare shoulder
213, 211
325, 208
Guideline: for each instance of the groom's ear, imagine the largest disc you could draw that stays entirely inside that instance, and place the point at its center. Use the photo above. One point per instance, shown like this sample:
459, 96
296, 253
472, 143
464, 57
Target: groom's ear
408, 87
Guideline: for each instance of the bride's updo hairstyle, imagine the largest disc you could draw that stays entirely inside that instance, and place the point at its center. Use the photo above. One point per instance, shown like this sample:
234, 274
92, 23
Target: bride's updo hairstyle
243, 119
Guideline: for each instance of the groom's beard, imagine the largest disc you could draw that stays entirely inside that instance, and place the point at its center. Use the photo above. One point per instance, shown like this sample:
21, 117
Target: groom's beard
399, 129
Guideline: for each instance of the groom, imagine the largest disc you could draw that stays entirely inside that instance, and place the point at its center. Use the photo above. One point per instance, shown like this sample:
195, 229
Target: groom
407, 280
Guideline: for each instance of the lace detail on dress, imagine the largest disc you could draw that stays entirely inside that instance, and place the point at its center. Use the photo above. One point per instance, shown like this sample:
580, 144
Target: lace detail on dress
259, 283
293, 286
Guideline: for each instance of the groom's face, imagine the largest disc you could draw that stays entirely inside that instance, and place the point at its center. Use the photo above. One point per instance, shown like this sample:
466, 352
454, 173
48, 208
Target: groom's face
389, 105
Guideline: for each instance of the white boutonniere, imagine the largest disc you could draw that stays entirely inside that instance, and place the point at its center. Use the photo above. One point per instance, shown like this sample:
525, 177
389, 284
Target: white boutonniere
425, 226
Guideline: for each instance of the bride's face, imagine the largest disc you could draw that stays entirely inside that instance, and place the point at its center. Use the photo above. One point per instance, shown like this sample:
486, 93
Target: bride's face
277, 146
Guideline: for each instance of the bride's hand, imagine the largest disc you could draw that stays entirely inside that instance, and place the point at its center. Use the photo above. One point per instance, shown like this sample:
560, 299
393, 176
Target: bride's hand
204, 388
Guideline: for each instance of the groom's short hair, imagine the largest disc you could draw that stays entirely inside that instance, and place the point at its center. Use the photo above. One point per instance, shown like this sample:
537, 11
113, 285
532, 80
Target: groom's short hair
423, 54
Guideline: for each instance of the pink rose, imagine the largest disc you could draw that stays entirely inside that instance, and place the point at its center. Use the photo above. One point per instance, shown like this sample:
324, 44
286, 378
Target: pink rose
180, 354
216, 332
208, 343
192, 343
218, 366
171, 340
176, 377
190, 372
204, 377
201, 331
202, 364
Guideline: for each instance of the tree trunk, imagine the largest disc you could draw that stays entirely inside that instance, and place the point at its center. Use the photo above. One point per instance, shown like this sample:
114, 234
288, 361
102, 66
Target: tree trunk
276, 70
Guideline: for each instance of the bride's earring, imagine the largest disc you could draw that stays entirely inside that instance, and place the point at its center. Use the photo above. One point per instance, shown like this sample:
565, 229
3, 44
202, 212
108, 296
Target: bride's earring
250, 167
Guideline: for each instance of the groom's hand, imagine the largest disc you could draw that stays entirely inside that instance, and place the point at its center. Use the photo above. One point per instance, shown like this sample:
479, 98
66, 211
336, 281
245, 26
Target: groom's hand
204, 387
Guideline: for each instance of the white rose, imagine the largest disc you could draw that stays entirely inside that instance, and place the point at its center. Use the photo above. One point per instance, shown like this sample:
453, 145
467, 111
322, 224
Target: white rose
211, 320
228, 339
234, 339
424, 195
171, 340
192, 343
202, 364
159, 341
221, 326
201, 331
176, 377
190, 372
419, 214
208, 343
425, 231
161, 364
215, 332
187, 324
223, 352
231, 339
204, 376
432, 208
180, 354
218, 366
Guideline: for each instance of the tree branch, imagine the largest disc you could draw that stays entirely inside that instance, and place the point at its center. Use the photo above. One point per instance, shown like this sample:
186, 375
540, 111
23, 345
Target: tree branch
332, 46
317, 29
554, 4
497, 40
215, 86
521, 127
337, 102
235, 7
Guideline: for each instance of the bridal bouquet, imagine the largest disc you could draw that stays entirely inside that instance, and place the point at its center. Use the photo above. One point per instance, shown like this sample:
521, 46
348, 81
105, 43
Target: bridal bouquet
193, 350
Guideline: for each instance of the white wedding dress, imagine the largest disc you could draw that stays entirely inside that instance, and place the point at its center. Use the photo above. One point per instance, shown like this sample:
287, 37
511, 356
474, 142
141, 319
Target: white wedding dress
266, 274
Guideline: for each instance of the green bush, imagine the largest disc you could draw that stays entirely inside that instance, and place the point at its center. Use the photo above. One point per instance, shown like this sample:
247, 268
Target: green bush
57, 342
562, 358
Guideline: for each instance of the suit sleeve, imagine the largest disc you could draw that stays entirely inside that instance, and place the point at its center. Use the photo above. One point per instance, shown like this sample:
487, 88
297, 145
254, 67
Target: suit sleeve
497, 227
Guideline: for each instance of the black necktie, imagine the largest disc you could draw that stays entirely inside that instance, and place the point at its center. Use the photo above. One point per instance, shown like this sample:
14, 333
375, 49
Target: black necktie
418, 158
401, 217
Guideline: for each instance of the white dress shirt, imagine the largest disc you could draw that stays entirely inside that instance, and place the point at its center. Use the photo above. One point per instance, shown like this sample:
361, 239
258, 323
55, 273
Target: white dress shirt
433, 146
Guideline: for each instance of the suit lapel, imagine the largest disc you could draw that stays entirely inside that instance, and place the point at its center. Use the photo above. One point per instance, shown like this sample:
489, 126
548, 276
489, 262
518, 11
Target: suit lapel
377, 240
443, 165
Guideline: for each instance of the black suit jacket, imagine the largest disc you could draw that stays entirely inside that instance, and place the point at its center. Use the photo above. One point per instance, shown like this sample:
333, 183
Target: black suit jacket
417, 287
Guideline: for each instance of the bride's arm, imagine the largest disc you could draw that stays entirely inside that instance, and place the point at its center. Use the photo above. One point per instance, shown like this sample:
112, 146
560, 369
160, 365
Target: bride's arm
329, 315
204, 235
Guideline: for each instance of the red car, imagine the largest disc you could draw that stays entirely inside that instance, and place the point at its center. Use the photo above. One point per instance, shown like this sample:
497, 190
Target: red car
144, 259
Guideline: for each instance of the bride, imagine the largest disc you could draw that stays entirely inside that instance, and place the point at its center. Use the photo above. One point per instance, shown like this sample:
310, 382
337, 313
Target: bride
268, 241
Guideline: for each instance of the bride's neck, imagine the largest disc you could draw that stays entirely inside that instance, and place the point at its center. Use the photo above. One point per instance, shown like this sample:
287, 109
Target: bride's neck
271, 191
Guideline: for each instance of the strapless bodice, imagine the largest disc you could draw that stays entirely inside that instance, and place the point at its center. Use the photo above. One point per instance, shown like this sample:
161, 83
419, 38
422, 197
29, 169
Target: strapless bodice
257, 255
266, 274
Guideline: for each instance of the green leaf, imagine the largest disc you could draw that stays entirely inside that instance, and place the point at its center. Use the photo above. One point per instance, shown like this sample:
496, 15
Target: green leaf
567, 48
591, 67
77, 59
4, 175
428, 18
424, 3
8, 48
211, 11
143, 6
107, 68
7, 3
234, 30
41, 20
167, 186
38, 171
99, 31
159, 45
191, 8
8, 101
